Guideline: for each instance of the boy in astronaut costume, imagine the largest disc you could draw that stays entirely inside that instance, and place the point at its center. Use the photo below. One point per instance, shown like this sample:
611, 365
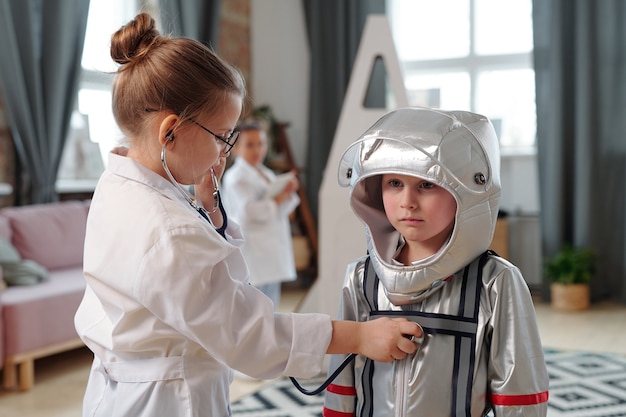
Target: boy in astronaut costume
481, 349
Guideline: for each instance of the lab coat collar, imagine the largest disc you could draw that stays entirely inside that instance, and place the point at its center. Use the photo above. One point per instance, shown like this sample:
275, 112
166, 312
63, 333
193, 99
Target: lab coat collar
132, 170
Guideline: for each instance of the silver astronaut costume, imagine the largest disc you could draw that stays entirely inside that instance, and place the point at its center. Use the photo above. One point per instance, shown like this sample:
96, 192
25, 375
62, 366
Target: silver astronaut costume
481, 349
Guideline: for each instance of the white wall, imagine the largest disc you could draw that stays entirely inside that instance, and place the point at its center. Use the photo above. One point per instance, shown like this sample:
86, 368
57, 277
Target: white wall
520, 184
280, 66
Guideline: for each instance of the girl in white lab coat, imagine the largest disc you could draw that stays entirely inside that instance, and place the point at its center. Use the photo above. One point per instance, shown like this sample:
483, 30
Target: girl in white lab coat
168, 310
261, 212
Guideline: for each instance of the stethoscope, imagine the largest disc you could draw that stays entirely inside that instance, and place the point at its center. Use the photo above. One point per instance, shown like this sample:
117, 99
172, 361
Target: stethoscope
217, 204
340, 368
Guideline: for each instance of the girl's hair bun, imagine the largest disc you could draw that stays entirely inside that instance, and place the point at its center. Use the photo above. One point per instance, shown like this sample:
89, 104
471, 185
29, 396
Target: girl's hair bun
133, 40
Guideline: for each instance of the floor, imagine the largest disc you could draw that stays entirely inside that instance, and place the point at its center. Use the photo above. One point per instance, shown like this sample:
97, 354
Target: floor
60, 380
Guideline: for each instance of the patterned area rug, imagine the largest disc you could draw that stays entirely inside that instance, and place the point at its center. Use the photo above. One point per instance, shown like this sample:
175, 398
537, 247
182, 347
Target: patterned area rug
586, 384
581, 385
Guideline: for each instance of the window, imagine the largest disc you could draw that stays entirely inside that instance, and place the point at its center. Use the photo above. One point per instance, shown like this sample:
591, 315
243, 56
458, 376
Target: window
94, 95
470, 54
93, 131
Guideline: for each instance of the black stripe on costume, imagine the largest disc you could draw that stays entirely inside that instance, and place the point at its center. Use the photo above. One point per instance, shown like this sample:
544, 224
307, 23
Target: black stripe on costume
464, 347
368, 389
463, 326
434, 323
370, 286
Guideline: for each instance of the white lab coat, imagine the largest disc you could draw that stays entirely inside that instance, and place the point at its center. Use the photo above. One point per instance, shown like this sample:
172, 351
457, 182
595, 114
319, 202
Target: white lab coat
265, 225
168, 310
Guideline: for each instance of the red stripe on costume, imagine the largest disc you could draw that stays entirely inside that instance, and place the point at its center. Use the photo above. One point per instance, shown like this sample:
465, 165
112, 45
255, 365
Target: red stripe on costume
512, 400
341, 389
332, 413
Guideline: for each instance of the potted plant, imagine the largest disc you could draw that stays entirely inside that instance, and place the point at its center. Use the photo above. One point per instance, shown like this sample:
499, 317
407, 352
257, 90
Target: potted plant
570, 271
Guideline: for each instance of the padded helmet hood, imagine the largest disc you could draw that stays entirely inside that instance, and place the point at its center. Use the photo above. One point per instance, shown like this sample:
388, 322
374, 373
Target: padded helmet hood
456, 150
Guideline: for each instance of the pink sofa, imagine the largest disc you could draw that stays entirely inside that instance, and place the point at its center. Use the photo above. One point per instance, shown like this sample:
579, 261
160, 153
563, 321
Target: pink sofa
38, 320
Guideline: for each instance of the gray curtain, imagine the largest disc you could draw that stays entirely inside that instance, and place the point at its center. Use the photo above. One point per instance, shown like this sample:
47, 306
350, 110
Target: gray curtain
196, 19
581, 132
40, 65
334, 31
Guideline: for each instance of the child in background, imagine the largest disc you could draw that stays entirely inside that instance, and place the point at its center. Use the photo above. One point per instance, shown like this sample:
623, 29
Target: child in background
167, 309
263, 216
426, 184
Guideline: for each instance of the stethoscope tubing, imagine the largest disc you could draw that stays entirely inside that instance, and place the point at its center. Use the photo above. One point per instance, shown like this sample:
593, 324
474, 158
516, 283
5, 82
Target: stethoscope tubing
328, 380
190, 200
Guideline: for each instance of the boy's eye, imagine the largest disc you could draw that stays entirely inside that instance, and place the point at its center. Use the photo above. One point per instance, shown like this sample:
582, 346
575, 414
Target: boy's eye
427, 185
395, 183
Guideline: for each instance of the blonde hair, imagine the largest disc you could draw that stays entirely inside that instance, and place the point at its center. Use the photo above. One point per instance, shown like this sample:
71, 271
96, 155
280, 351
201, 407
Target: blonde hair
157, 73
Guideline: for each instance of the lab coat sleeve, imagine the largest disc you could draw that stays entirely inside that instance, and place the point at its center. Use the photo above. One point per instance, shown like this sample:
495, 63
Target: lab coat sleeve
204, 296
517, 371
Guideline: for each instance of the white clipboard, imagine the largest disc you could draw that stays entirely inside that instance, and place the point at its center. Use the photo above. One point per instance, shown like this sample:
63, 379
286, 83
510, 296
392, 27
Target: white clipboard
278, 184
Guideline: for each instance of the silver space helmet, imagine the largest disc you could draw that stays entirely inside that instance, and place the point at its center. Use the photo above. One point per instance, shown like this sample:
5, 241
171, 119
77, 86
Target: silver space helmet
456, 150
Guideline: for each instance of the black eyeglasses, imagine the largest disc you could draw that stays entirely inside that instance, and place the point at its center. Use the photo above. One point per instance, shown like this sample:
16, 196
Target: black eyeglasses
229, 141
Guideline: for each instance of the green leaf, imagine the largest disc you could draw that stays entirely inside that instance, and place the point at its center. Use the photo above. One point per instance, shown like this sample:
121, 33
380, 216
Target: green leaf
571, 266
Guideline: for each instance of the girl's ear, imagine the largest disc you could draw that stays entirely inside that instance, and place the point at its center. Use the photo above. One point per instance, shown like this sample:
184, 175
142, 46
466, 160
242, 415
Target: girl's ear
166, 129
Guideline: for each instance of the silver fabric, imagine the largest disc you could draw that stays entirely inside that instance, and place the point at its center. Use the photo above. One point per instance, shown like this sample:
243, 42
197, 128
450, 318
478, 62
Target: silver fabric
508, 354
456, 150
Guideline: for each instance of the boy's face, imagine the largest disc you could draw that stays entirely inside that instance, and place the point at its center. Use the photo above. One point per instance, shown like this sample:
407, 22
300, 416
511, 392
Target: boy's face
422, 212
251, 146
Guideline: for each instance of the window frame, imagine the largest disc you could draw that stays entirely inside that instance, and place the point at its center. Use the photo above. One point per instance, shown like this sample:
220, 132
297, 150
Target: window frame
473, 64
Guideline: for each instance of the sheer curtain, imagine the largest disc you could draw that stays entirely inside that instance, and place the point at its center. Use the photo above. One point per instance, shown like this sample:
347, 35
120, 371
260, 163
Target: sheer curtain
41, 50
334, 31
581, 132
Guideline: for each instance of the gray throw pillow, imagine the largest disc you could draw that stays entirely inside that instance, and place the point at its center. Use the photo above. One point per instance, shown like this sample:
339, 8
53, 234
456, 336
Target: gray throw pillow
18, 271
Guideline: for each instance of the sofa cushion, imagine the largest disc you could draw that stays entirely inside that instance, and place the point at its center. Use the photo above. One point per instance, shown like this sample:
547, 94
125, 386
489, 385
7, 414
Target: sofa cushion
51, 234
41, 315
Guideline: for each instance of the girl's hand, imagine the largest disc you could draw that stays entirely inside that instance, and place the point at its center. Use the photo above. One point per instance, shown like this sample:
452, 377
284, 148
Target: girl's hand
387, 339
383, 339
205, 188
220, 167
204, 191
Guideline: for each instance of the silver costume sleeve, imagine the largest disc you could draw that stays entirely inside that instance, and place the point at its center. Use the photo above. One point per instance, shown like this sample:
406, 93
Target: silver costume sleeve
517, 374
